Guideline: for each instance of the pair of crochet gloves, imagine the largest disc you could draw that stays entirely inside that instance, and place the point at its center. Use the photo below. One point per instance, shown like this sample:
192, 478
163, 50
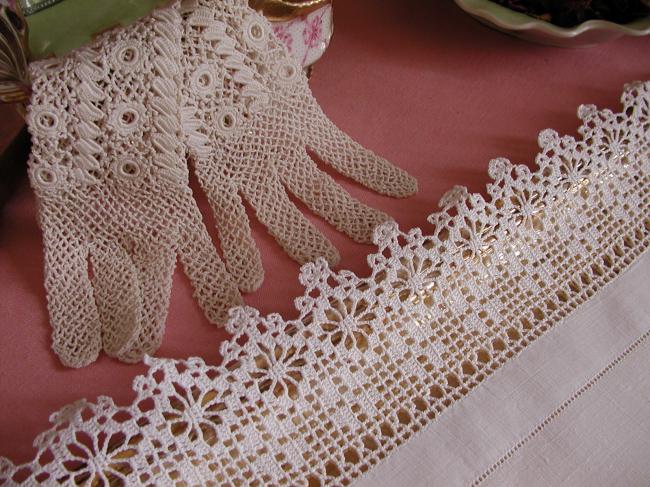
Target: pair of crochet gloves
113, 127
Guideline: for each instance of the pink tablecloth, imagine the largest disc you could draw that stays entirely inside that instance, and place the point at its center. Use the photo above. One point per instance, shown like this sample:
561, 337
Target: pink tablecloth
418, 82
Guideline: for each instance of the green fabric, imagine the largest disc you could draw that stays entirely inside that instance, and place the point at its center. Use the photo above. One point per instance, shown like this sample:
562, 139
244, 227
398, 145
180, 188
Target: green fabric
72, 23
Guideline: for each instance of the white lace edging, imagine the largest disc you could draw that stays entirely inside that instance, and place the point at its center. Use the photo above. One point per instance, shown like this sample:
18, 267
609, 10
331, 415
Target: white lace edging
371, 361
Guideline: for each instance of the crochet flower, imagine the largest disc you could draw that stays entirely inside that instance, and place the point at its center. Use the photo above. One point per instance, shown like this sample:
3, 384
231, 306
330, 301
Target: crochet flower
349, 323
415, 279
195, 413
94, 460
127, 118
526, 209
127, 56
475, 239
46, 120
278, 369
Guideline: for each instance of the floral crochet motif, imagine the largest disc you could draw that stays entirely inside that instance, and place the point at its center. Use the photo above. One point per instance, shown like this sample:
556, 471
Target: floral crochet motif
350, 323
278, 370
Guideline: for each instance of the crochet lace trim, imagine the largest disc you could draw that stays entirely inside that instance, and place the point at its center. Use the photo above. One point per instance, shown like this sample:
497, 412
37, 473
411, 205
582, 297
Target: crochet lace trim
371, 361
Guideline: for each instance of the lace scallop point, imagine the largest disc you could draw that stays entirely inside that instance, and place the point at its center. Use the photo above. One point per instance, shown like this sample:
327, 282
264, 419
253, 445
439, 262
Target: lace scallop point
454, 197
634, 92
311, 273
499, 167
547, 138
241, 318
385, 232
587, 111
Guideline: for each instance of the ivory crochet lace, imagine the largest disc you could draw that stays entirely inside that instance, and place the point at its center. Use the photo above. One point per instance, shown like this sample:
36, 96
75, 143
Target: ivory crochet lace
109, 170
109, 173
249, 116
370, 362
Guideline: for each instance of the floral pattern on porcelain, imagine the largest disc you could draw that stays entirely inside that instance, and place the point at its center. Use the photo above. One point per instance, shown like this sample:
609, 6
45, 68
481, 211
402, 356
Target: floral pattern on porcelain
308, 36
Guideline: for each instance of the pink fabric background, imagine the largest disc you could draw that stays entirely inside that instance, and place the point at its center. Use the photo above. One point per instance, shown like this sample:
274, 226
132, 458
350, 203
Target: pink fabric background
420, 83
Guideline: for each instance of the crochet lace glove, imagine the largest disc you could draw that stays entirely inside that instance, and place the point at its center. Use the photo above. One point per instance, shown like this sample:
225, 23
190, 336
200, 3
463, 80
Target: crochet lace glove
249, 117
110, 176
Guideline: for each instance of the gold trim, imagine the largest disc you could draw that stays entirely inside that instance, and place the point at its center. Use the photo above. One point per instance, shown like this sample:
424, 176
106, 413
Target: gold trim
278, 10
14, 57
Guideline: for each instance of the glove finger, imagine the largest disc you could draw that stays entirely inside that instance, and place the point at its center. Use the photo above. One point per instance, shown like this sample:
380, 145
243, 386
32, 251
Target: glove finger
155, 268
295, 234
327, 198
117, 295
337, 149
75, 321
214, 288
239, 250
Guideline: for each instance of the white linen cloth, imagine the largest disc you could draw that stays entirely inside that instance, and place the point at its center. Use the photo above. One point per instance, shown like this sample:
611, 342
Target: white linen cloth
572, 410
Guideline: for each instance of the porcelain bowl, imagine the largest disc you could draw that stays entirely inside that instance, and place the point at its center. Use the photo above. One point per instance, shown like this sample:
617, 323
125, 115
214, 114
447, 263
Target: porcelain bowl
531, 29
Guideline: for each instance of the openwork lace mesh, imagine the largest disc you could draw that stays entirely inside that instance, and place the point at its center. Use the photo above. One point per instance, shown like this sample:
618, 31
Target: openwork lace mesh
371, 361
109, 172
111, 125
249, 116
